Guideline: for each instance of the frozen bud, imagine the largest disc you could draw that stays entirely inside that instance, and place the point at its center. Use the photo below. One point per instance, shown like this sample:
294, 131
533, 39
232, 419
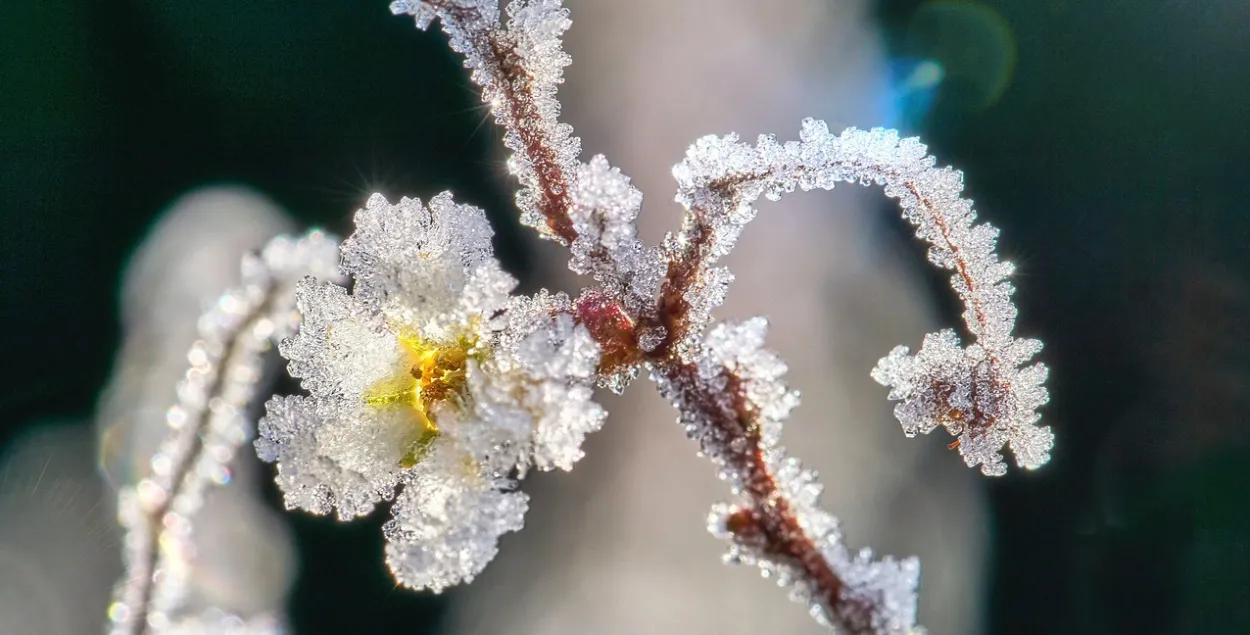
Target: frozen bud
984, 402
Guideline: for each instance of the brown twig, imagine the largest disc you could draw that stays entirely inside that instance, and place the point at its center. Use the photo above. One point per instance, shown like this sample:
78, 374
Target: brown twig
765, 520
517, 109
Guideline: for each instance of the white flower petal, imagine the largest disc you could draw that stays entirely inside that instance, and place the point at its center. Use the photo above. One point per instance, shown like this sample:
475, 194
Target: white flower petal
478, 309
541, 392
446, 525
341, 348
564, 356
417, 255
292, 434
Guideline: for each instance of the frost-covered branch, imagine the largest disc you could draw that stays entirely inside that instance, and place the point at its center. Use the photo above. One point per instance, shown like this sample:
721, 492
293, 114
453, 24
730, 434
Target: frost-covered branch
206, 427
653, 305
430, 384
733, 402
979, 393
518, 65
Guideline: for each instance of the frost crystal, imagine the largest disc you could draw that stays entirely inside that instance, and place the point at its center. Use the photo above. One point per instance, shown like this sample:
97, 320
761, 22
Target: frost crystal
446, 505
605, 206
428, 376
979, 393
946, 384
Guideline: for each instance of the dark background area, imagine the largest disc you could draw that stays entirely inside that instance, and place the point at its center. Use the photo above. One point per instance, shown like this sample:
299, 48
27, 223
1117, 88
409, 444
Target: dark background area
1113, 160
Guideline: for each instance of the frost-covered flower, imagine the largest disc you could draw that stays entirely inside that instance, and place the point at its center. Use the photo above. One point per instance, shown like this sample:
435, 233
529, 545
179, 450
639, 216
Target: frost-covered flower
429, 376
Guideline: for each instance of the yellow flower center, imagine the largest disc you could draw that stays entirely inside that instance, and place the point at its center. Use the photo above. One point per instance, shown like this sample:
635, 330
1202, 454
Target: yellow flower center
434, 374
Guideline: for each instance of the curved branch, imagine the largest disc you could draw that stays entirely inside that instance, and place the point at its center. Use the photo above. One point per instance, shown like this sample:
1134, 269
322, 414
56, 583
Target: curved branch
206, 427
979, 393
726, 387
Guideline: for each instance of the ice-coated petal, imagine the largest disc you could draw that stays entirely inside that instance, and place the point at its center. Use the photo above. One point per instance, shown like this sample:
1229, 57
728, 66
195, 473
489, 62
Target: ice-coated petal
330, 460
341, 348
477, 314
568, 415
548, 378
445, 526
531, 404
418, 256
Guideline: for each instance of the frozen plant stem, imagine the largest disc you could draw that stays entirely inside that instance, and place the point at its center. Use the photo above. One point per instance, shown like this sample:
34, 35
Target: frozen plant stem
430, 385
518, 70
652, 306
980, 394
206, 427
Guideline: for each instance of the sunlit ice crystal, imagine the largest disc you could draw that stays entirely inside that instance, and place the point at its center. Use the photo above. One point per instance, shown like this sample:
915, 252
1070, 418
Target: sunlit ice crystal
518, 63
444, 523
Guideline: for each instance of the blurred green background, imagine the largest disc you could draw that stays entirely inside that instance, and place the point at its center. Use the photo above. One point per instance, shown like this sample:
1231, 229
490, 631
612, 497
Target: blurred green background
1108, 139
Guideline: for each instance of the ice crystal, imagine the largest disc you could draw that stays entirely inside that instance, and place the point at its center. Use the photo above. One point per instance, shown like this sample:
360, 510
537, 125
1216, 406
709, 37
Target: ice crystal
956, 387
604, 209
446, 521
428, 376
